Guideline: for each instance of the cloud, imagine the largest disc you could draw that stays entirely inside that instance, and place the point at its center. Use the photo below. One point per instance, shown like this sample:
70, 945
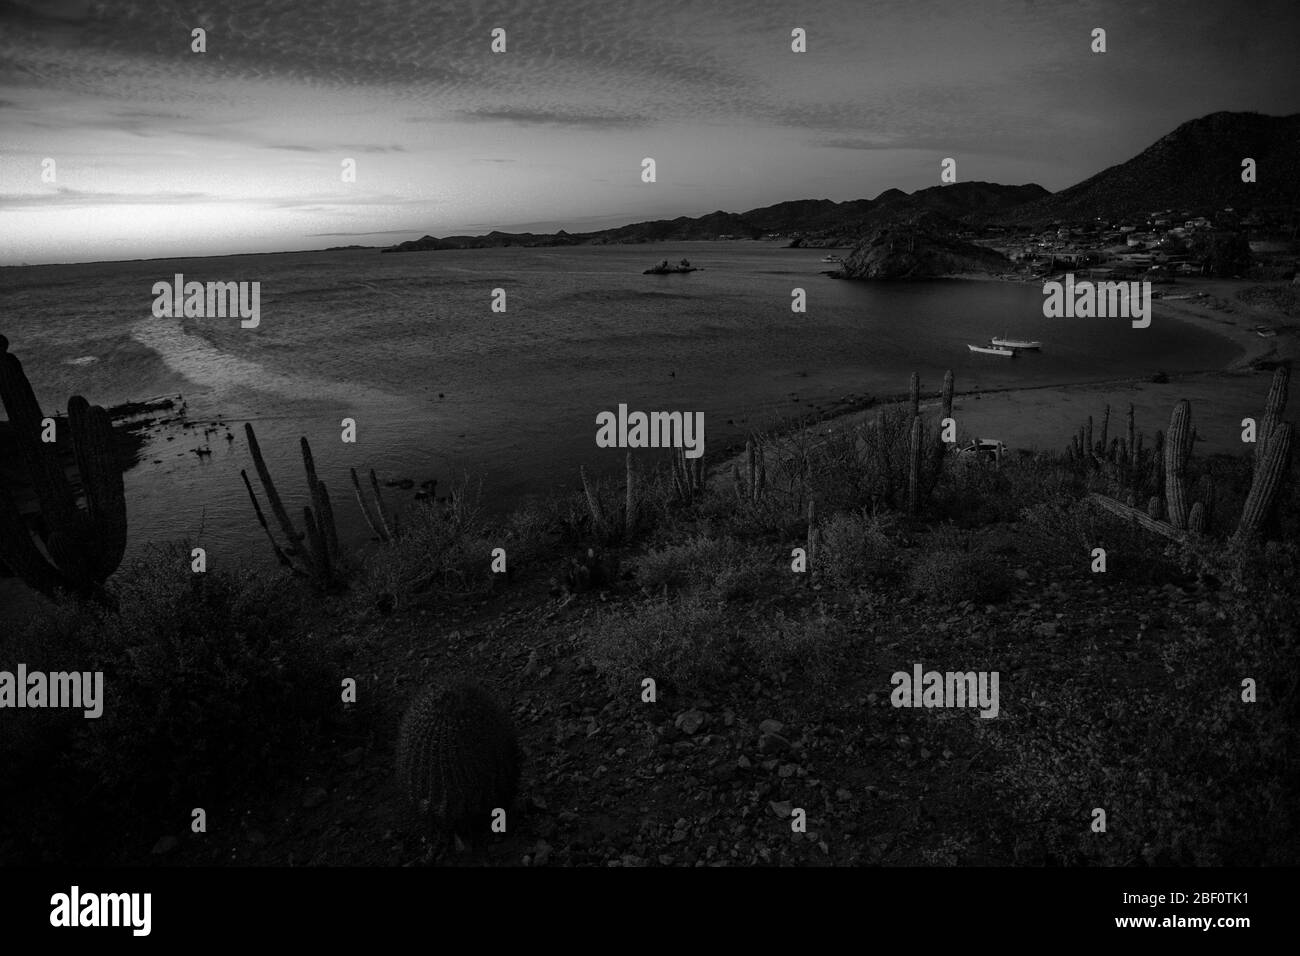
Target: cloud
547, 117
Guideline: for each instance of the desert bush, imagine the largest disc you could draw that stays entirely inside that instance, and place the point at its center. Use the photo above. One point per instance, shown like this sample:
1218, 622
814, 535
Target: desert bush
854, 549
1061, 534
808, 645
722, 568
207, 677
683, 640
951, 576
443, 548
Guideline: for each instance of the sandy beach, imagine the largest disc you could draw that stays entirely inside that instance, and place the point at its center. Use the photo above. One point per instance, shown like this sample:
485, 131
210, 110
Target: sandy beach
1044, 417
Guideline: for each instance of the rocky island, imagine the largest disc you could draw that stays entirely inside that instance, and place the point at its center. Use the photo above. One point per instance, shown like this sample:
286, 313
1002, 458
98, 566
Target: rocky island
920, 249
664, 268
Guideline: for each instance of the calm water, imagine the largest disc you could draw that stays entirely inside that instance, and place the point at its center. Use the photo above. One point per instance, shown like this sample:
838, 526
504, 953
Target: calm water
379, 338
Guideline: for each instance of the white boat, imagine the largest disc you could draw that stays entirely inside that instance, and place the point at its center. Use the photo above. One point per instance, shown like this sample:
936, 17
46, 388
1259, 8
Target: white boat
1016, 344
831, 259
989, 350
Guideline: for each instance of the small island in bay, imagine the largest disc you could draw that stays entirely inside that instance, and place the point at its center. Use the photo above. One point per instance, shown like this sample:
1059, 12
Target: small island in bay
664, 268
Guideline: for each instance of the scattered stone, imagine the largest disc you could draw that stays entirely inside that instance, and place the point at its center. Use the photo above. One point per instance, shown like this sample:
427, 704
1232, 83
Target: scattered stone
314, 798
165, 845
1045, 630
772, 743
771, 727
689, 721
781, 809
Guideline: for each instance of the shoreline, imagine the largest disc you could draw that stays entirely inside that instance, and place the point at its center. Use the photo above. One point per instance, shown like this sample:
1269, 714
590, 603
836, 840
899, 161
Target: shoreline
1044, 416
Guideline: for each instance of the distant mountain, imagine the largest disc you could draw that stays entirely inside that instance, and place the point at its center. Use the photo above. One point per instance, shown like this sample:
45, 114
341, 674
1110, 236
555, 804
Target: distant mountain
1196, 167
819, 221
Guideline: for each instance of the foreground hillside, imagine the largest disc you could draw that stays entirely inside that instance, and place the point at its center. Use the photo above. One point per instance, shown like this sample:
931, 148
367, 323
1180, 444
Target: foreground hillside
1119, 690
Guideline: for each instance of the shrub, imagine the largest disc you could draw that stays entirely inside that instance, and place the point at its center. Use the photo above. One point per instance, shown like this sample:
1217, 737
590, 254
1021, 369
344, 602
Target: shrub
854, 549
207, 677
950, 576
683, 640
441, 549
722, 568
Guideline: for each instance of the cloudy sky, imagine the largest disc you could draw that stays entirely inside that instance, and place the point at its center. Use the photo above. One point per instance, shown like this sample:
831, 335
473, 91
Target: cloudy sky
159, 150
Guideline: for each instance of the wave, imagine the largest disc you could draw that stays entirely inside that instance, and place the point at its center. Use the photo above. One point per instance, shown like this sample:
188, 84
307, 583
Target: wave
207, 366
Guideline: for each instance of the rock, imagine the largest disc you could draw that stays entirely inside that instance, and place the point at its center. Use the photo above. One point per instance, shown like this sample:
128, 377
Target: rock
353, 757
689, 721
743, 762
165, 845
772, 743
541, 853
1022, 574
314, 797
531, 667
771, 727
1045, 630
781, 808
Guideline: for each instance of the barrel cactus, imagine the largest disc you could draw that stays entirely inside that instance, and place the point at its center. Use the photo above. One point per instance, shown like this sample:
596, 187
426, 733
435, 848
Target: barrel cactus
457, 758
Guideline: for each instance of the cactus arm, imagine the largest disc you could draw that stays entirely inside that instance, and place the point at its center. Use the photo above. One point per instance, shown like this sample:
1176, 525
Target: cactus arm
268, 485
1265, 488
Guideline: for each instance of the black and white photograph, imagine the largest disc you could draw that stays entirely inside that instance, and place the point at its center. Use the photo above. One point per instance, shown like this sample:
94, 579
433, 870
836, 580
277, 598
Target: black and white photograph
641, 434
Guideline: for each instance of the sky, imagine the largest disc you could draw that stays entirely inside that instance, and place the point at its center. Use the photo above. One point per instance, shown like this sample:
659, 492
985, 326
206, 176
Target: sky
119, 141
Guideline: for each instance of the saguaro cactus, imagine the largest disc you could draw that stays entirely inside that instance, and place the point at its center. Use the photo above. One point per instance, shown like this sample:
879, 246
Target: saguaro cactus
316, 551
914, 467
83, 546
1178, 448
1269, 474
1273, 406
914, 394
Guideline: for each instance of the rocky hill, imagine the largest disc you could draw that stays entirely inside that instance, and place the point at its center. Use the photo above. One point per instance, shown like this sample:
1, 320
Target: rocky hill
918, 249
1196, 167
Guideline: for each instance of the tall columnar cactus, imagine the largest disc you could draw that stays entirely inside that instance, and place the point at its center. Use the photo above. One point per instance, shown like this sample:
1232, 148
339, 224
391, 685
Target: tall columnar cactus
1178, 448
83, 546
376, 515
914, 467
1132, 438
1088, 446
914, 394
1273, 407
688, 477
629, 498
936, 464
1102, 446
316, 550
458, 758
1265, 489
814, 537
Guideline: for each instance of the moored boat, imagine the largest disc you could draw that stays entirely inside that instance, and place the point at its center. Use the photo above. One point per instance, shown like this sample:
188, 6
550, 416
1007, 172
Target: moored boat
1016, 344
991, 350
